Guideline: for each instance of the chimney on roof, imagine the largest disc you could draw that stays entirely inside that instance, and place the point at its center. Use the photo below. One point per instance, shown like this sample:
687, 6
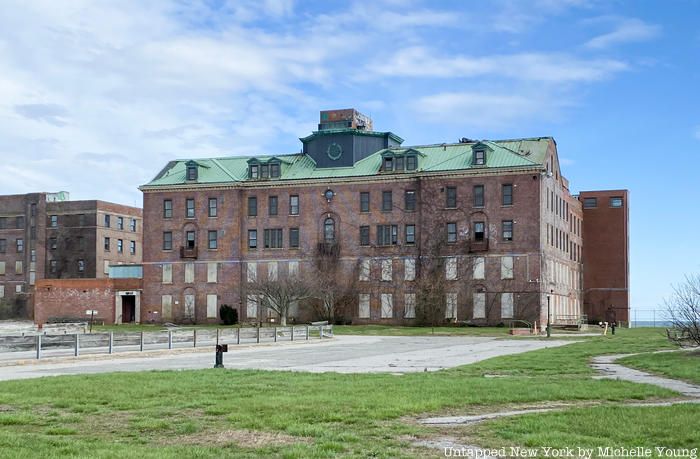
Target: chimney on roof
347, 118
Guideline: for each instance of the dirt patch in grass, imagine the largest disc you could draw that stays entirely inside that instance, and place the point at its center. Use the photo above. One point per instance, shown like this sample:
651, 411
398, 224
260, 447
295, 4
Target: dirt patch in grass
241, 437
6, 408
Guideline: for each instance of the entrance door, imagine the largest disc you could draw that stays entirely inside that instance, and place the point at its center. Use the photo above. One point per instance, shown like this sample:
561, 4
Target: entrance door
128, 309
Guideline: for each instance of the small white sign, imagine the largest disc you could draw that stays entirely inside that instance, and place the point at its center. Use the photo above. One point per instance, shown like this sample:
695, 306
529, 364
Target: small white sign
90, 312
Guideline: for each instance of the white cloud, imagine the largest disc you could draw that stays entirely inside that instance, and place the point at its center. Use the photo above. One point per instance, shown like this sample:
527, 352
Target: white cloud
626, 30
482, 110
554, 68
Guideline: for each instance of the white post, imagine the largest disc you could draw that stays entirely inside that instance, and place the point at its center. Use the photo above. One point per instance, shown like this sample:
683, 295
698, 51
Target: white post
111, 342
141, 343
77, 345
38, 346
170, 339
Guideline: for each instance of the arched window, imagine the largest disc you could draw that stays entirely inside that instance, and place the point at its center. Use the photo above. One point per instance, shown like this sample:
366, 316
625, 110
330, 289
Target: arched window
329, 230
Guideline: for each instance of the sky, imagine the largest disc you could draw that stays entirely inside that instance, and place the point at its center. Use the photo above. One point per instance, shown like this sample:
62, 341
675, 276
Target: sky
96, 96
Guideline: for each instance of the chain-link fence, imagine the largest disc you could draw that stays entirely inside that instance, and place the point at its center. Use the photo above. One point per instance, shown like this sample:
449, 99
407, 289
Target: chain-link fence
649, 318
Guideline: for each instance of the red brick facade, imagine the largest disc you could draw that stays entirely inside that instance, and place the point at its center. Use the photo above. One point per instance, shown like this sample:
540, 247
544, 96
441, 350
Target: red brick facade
606, 253
71, 298
544, 253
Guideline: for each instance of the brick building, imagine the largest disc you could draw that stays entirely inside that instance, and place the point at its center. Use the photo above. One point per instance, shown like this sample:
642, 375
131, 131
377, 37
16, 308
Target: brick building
497, 216
606, 251
47, 236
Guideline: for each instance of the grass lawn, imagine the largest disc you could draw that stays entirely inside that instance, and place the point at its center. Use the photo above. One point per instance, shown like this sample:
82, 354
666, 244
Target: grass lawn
683, 365
224, 413
388, 330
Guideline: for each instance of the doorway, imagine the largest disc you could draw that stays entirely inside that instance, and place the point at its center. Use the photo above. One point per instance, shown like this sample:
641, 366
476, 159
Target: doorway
128, 309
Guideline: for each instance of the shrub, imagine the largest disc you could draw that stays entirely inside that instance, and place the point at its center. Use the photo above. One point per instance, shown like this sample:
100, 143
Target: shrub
229, 315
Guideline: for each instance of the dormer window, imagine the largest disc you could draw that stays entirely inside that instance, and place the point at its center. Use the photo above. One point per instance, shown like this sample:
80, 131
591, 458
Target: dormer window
254, 172
264, 171
398, 163
191, 171
388, 164
479, 157
274, 170
411, 163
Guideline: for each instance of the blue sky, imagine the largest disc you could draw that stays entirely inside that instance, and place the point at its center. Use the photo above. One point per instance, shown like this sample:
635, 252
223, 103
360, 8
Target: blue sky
95, 97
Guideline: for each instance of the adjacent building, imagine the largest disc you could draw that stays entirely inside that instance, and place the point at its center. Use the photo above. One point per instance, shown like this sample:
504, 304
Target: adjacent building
606, 253
47, 236
489, 227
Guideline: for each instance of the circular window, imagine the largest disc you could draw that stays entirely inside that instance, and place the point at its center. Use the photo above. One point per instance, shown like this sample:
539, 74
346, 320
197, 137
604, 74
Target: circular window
329, 195
334, 151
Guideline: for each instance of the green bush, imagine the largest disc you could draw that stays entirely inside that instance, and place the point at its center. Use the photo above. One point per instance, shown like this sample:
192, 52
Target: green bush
229, 315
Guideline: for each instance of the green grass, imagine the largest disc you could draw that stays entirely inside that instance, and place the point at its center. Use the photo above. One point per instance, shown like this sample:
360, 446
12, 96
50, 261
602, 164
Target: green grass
205, 413
613, 426
683, 365
388, 330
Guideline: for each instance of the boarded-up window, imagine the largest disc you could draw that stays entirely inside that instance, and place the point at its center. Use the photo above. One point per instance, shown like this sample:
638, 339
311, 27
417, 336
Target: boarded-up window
479, 305
506, 267
409, 306
272, 271
2, 268
189, 272
189, 307
212, 272
363, 312
18, 267
293, 310
251, 305
32, 278
506, 305
293, 268
166, 307
451, 268
451, 306
18, 288
167, 273
2, 291
252, 274
479, 271
211, 306
409, 269
106, 267
364, 270
386, 270
387, 306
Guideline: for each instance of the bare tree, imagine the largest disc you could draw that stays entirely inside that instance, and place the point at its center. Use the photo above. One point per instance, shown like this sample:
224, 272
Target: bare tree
279, 294
684, 311
331, 289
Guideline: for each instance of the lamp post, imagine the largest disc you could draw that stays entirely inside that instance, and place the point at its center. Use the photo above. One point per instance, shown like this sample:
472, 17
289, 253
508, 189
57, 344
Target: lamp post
549, 319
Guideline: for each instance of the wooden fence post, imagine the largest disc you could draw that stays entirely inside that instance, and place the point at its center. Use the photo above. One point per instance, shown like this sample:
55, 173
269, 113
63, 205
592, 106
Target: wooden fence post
238, 334
194, 337
141, 342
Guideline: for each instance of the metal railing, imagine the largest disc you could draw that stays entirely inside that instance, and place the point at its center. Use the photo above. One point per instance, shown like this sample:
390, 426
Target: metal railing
74, 344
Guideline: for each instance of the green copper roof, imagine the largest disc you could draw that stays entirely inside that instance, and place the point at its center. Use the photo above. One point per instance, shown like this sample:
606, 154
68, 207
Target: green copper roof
350, 131
525, 153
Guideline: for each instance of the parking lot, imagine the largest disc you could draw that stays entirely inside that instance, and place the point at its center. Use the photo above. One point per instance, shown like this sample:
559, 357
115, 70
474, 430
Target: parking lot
343, 354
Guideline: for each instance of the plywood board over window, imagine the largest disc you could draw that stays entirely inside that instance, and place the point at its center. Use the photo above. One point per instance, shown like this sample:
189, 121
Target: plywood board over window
2, 268
506, 267
272, 271
252, 272
451, 268
189, 272
387, 306
409, 269
506, 305
409, 306
363, 311
251, 307
167, 273
211, 306
293, 268
479, 268
364, 270
479, 300
451, 306
189, 307
212, 272
387, 274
